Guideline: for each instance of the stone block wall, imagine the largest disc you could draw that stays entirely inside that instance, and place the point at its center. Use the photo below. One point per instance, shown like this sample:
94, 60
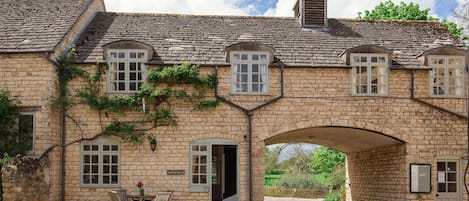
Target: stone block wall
313, 97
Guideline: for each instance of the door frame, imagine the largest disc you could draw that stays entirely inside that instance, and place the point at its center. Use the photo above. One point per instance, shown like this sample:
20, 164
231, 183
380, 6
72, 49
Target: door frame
219, 141
459, 174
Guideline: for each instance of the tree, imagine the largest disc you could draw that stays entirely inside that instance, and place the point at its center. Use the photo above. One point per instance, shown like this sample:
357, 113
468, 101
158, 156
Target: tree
324, 159
462, 15
271, 158
388, 10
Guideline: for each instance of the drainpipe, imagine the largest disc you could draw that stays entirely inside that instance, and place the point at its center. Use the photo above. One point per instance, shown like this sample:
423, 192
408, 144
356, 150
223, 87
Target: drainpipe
249, 113
62, 139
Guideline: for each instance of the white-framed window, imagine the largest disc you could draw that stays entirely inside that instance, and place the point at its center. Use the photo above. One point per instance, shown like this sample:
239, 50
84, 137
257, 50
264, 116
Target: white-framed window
249, 72
127, 70
199, 155
446, 76
100, 163
26, 128
369, 74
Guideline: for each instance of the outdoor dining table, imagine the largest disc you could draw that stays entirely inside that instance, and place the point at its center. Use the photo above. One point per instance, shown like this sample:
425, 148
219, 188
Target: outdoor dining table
141, 197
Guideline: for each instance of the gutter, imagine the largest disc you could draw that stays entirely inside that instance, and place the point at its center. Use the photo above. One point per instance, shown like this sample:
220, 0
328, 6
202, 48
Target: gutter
62, 140
249, 113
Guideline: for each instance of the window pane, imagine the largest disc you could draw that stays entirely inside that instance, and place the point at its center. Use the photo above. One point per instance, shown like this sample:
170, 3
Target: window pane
374, 59
114, 179
195, 148
195, 159
244, 68
203, 169
106, 159
26, 130
255, 68
86, 169
121, 86
203, 159
133, 66
121, 54
114, 169
106, 169
106, 180
451, 177
244, 57
86, 147
452, 187
94, 159
94, 169
195, 179
255, 57
94, 179
121, 66
442, 187
263, 57
133, 55
454, 61
86, 179
195, 169
203, 179
141, 55
255, 88
363, 59
133, 86
451, 166
86, 158
114, 159
114, 147
236, 57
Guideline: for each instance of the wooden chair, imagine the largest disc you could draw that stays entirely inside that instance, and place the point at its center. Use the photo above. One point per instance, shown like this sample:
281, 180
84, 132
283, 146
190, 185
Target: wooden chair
118, 195
163, 196
114, 195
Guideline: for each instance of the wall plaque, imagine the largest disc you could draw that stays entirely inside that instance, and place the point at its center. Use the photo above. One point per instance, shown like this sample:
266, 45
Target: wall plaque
420, 178
175, 172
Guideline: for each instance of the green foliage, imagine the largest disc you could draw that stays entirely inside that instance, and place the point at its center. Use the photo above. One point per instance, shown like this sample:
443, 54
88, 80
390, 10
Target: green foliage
453, 28
336, 180
388, 10
300, 181
126, 132
334, 196
161, 88
325, 159
11, 136
271, 179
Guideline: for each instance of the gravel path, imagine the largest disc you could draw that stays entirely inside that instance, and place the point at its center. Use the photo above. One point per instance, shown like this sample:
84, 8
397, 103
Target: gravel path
289, 199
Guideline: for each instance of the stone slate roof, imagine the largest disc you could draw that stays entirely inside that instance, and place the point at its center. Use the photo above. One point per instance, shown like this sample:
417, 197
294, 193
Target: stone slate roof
202, 39
37, 25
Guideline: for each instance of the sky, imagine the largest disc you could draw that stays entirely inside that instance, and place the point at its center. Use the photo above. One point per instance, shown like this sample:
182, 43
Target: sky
336, 8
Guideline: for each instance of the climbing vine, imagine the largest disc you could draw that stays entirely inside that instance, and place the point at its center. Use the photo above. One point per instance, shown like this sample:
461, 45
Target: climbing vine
154, 101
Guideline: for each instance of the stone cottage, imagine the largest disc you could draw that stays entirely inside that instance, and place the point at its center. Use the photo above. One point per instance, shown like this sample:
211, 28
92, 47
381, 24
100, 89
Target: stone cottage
390, 94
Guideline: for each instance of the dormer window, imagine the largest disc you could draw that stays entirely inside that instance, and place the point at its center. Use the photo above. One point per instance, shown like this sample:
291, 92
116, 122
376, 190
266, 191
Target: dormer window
370, 68
249, 67
127, 70
369, 74
249, 72
446, 76
126, 65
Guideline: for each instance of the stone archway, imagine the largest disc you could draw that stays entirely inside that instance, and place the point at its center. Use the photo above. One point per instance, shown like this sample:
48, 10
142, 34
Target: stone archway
376, 162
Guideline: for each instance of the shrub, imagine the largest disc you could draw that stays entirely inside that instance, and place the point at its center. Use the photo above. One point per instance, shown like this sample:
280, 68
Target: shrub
300, 181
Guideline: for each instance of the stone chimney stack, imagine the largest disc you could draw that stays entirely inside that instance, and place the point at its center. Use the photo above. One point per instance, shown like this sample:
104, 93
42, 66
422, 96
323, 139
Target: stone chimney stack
311, 13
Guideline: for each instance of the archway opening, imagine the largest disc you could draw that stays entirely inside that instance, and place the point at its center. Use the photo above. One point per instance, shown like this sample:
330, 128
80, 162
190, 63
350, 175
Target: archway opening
312, 162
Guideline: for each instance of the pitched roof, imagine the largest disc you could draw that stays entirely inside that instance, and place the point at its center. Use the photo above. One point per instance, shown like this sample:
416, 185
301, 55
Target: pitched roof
37, 25
202, 39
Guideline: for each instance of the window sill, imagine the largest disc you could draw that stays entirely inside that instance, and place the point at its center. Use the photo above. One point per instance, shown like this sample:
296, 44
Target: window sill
100, 186
249, 94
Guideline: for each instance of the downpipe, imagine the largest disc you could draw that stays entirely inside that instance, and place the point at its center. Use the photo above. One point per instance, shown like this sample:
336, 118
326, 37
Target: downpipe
62, 139
249, 113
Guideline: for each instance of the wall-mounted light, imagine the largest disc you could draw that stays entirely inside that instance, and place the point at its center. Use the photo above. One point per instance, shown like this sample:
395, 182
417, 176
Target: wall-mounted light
153, 144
